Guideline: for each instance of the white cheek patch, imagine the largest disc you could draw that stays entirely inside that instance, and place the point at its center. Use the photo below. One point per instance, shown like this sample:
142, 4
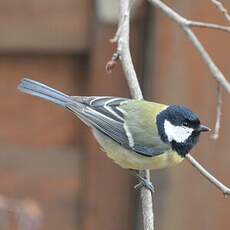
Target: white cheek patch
177, 133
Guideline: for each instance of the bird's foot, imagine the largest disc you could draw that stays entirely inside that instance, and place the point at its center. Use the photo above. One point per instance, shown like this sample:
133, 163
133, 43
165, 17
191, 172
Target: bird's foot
144, 182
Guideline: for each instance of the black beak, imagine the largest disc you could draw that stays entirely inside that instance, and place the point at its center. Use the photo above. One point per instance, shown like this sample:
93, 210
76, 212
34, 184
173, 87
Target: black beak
203, 128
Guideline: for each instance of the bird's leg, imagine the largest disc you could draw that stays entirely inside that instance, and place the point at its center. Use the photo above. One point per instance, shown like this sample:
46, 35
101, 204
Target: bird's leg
143, 182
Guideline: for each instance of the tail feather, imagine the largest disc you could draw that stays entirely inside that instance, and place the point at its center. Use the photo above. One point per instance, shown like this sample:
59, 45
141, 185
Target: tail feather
43, 91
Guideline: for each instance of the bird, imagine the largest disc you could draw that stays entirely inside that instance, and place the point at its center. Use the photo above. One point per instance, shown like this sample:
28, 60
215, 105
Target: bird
135, 134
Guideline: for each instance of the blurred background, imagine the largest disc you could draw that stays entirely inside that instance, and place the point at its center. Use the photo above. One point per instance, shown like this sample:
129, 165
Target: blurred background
52, 172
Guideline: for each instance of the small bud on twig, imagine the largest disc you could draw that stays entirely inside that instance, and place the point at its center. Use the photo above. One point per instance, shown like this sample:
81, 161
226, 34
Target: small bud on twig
112, 63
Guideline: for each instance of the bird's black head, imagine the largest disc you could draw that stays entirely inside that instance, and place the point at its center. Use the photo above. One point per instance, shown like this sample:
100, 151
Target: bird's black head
180, 127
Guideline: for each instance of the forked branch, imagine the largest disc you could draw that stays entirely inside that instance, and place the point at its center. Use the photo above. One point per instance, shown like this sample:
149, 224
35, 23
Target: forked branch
186, 25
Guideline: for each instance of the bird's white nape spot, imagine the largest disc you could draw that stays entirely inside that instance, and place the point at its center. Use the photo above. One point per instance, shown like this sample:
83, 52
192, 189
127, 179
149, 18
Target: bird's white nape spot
129, 135
177, 133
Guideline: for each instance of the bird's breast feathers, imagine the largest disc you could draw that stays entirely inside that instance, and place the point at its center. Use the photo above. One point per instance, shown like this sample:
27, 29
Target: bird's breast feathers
131, 160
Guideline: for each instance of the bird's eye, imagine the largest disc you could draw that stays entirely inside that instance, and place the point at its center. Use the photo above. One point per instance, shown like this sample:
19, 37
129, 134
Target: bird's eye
185, 124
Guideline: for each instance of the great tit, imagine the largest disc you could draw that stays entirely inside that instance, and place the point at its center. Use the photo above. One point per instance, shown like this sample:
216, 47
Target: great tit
136, 134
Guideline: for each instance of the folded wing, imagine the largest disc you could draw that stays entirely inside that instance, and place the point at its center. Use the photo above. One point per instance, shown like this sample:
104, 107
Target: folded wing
105, 115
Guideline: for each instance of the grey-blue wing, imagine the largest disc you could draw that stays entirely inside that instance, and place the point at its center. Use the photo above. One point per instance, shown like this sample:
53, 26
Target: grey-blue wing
103, 114
149, 151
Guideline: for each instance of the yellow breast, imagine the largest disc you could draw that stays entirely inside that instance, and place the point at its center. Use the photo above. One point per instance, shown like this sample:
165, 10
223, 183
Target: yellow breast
131, 160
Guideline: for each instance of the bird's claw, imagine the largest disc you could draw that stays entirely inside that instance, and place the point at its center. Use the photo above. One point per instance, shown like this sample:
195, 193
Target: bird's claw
144, 183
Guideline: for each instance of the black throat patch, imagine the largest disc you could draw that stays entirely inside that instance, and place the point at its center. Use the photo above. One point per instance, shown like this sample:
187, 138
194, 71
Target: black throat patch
183, 148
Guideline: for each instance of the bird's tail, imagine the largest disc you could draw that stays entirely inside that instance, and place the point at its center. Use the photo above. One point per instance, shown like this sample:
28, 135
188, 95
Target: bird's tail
43, 91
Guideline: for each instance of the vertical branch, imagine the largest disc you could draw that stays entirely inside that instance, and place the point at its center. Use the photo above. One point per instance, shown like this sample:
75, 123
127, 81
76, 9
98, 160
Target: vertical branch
123, 51
219, 105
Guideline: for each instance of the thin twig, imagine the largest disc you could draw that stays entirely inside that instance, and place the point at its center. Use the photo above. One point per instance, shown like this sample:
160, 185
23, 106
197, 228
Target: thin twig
219, 105
112, 63
211, 178
184, 24
120, 26
121, 22
208, 25
222, 9
124, 52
